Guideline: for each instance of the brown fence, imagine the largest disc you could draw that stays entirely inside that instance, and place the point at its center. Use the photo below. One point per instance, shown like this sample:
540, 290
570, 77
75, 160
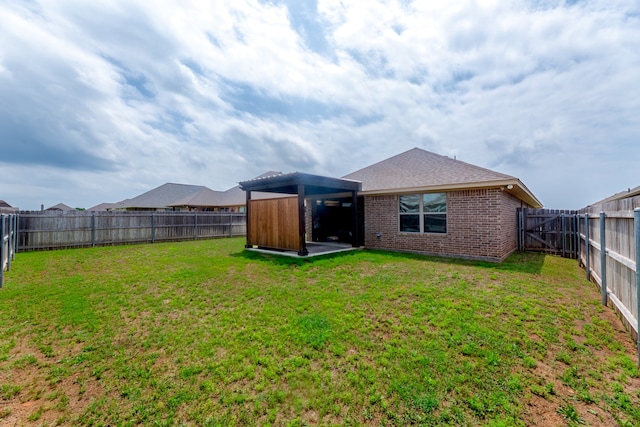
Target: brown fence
273, 223
548, 230
61, 229
609, 251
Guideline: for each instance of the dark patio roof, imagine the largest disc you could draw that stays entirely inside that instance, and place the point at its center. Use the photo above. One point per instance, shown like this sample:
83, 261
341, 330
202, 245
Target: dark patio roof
313, 184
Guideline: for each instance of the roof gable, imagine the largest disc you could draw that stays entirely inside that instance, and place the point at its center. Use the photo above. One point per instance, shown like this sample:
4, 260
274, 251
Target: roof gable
61, 207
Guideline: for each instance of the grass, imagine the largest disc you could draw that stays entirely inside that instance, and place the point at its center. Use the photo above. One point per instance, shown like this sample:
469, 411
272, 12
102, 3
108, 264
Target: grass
204, 333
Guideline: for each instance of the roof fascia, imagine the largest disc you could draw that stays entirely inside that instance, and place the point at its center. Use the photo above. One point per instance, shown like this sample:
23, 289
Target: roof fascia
518, 189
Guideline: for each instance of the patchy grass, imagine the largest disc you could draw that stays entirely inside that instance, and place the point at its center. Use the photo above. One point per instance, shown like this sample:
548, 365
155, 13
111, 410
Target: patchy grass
204, 333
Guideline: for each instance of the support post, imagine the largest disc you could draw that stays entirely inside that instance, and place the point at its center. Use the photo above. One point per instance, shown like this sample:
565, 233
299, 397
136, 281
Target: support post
636, 226
10, 242
587, 247
576, 235
603, 259
15, 236
1, 250
17, 233
248, 220
302, 246
354, 219
195, 227
519, 229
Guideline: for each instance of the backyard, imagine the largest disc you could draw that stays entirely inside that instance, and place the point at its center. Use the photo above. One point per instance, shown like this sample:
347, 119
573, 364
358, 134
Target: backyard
204, 333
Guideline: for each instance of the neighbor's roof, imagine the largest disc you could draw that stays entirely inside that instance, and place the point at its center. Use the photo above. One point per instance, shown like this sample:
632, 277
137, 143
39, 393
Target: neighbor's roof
163, 196
4, 204
631, 192
204, 197
176, 195
61, 207
421, 170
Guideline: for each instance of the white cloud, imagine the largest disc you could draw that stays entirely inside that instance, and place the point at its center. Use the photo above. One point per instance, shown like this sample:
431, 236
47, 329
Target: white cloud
134, 94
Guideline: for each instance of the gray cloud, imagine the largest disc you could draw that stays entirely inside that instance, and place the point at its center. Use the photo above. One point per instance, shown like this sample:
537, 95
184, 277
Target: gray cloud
100, 100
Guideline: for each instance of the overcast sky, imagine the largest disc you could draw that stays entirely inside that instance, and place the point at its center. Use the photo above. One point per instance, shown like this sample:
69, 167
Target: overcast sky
103, 100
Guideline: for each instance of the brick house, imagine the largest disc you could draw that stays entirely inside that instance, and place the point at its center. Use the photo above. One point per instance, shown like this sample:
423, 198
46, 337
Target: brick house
416, 201
422, 202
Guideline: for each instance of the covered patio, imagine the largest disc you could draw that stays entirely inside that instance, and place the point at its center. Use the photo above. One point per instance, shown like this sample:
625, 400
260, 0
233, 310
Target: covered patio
283, 223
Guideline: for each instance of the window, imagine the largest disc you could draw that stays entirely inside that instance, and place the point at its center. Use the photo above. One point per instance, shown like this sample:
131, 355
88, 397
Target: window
423, 213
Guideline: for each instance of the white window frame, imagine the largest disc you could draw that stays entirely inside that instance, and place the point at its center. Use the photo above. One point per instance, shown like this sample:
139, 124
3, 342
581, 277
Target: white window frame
421, 213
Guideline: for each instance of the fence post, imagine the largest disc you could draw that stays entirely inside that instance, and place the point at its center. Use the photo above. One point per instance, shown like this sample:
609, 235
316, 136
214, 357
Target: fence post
576, 235
603, 260
563, 234
195, 227
230, 224
93, 229
17, 232
15, 236
1, 250
587, 248
153, 227
9, 241
636, 224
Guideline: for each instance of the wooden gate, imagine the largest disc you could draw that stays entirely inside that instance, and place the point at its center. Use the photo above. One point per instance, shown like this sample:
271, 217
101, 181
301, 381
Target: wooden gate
548, 230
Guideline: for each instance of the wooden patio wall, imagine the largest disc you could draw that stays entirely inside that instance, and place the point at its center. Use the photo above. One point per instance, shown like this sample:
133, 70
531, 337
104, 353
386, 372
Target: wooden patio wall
59, 229
612, 226
273, 223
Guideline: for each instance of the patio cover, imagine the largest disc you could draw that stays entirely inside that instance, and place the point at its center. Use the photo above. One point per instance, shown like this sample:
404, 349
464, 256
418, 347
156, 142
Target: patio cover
304, 185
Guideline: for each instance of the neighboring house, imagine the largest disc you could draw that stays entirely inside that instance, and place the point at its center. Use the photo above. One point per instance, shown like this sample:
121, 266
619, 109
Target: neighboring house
416, 201
7, 208
61, 207
627, 200
627, 194
184, 197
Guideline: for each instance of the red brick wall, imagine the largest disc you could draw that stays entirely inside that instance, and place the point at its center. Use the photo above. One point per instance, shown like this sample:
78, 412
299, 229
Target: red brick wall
481, 224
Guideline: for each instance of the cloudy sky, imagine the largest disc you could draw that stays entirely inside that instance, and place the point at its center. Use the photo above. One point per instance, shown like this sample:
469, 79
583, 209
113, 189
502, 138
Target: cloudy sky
103, 100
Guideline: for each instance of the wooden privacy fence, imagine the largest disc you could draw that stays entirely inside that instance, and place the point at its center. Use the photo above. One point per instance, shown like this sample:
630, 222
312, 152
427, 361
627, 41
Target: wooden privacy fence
548, 230
8, 242
60, 229
610, 253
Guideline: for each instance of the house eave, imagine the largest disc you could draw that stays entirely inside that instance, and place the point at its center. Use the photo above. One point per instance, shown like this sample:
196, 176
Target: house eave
512, 186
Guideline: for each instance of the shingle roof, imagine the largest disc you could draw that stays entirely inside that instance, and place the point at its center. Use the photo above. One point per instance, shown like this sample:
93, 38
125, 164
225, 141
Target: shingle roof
163, 196
61, 207
177, 195
630, 192
419, 168
4, 204
204, 197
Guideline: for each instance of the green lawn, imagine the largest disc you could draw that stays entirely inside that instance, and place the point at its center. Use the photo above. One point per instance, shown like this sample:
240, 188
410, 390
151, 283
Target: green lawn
204, 333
